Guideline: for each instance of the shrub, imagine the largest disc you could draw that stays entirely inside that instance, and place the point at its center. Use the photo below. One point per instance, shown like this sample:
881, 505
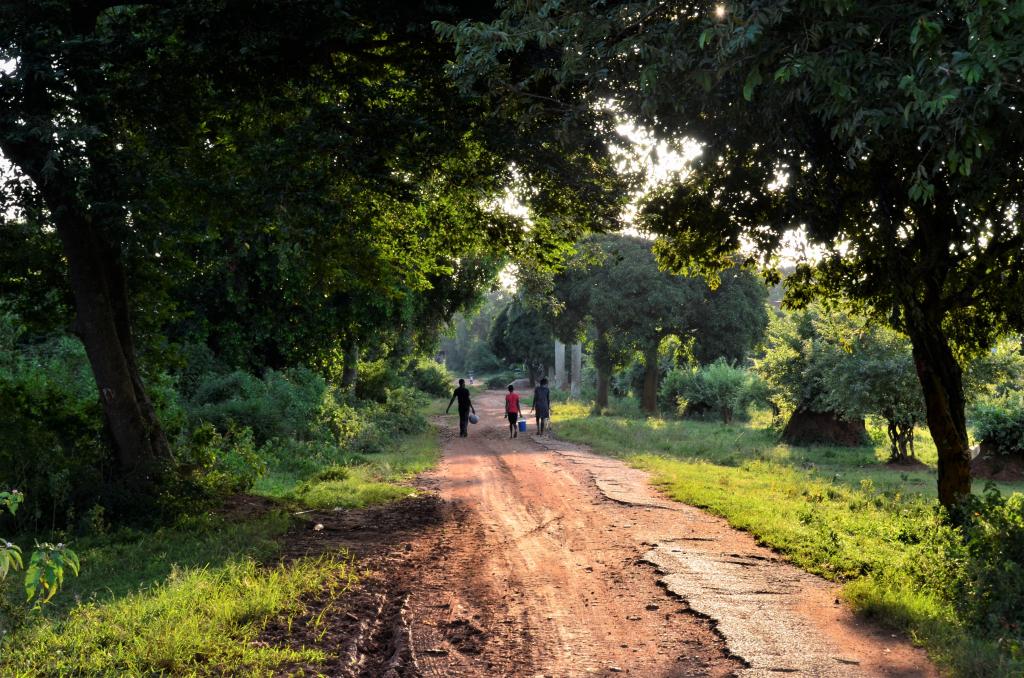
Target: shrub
628, 379
52, 442
999, 424
214, 464
400, 414
375, 379
988, 581
430, 377
285, 404
719, 387
672, 389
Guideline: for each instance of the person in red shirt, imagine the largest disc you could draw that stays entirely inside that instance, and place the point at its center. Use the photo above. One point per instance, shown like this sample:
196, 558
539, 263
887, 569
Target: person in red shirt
513, 411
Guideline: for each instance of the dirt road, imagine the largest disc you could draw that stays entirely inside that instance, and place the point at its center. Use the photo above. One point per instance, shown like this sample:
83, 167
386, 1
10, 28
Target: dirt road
541, 559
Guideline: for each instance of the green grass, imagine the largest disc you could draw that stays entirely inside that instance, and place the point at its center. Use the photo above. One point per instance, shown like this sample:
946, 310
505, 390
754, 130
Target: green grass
197, 621
191, 599
839, 512
366, 480
130, 560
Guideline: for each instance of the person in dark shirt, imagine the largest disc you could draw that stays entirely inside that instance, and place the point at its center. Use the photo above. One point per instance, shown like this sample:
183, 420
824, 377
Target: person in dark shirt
542, 405
465, 407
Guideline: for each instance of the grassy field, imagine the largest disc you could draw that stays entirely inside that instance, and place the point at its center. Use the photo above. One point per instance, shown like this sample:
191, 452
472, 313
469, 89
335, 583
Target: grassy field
362, 481
839, 512
191, 599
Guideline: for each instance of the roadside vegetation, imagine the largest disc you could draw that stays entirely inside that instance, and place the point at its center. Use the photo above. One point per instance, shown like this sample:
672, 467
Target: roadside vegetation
235, 234
187, 586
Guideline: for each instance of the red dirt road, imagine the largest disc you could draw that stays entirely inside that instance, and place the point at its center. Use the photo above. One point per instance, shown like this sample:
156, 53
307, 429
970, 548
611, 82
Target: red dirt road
532, 557
564, 563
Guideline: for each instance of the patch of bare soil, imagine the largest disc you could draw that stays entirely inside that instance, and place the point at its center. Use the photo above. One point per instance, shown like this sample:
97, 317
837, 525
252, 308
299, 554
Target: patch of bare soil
245, 507
530, 557
1005, 468
908, 464
362, 621
824, 428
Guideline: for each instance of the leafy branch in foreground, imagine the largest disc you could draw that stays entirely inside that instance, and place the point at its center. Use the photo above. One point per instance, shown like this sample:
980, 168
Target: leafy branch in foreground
44, 576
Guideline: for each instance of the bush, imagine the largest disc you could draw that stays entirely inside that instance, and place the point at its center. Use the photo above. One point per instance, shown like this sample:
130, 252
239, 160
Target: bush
402, 413
628, 379
672, 389
430, 377
717, 388
375, 379
214, 464
987, 584
52, 443
285, 404
999, 424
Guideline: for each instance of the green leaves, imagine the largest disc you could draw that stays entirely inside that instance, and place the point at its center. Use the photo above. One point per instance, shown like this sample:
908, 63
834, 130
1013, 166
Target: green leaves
11, 500
754, 79
45, 573
10, 558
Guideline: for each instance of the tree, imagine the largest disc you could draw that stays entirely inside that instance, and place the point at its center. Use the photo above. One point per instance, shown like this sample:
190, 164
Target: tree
889, 135
522, 334
83, 77
795, 370
868, 369
466, 349
284, 181
615, 284
732, 318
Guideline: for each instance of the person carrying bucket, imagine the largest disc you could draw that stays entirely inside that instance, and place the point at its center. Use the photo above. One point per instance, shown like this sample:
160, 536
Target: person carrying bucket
542, 405
513, 411
465, 407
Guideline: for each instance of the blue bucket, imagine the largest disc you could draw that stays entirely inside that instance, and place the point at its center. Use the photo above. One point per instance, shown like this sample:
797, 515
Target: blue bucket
522, 426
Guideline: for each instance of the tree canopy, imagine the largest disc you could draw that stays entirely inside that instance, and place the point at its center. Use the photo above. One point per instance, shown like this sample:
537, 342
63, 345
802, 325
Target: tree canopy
889, 135
615, 286
281, 182
522, 334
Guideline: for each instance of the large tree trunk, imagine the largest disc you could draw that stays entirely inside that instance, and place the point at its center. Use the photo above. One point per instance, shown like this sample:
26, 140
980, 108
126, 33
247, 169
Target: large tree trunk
649, 399
350, 369
93, 255
604, 377
103, 324
942, 383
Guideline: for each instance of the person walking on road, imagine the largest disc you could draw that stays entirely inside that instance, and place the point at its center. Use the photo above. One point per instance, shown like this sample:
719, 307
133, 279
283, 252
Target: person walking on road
465, 407
513, 411
542, 405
